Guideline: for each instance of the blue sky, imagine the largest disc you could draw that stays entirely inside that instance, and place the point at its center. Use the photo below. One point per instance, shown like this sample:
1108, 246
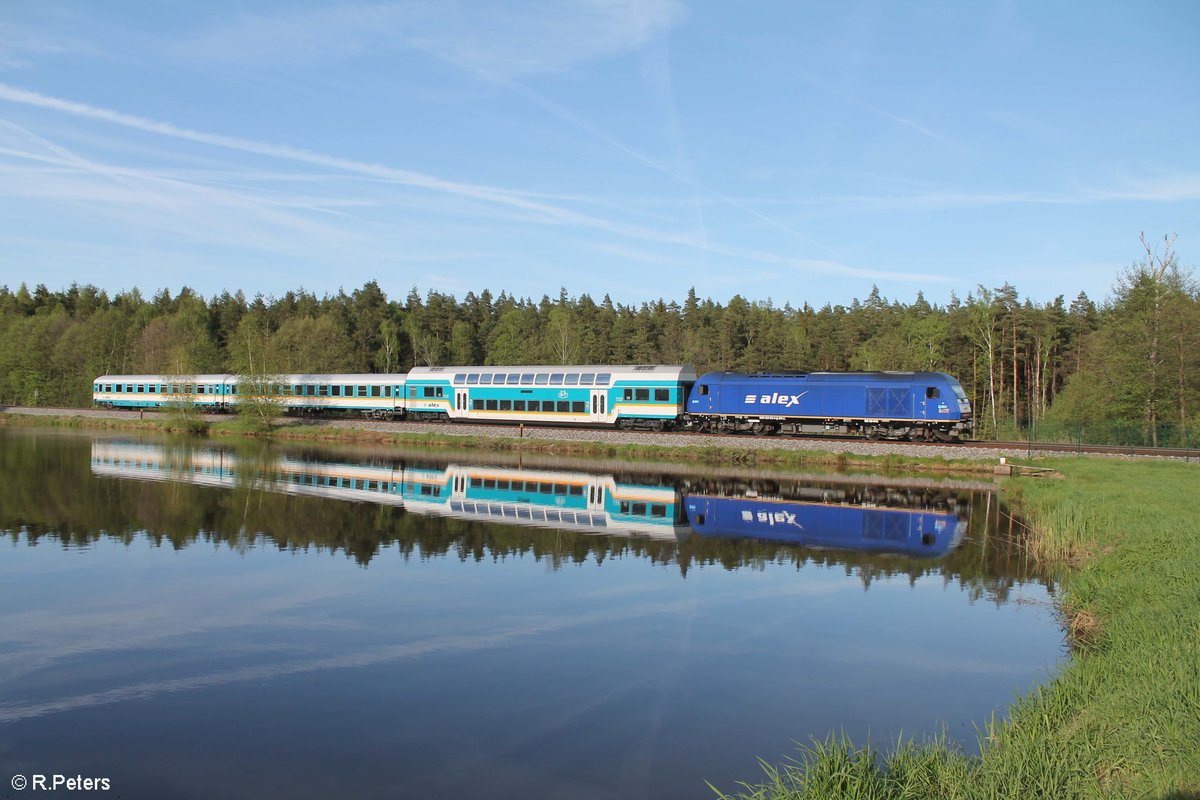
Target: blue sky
794, 151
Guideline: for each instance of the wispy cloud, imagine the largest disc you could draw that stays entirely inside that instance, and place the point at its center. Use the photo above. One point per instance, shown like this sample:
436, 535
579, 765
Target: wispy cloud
499, 638
829, 88
530, 210
20, 46
506, 40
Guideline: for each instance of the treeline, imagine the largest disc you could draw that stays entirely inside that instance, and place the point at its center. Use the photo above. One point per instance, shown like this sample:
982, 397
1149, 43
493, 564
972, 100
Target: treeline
1134, 358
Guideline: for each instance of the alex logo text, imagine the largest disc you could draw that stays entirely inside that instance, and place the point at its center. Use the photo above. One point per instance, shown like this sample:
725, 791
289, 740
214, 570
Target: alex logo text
775, 399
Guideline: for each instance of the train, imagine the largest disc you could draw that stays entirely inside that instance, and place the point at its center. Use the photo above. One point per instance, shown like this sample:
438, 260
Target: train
657, 397
883, 520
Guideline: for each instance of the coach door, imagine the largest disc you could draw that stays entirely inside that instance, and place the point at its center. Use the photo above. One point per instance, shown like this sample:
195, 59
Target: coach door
599, 401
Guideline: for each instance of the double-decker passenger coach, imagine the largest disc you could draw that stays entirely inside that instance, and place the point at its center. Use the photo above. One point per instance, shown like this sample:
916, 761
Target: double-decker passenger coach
644, 396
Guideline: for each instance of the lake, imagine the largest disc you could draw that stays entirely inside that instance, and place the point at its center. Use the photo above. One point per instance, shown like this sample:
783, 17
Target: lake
205, 620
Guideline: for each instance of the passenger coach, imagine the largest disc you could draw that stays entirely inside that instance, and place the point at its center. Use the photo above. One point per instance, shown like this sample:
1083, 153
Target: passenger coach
634, 396
379, 396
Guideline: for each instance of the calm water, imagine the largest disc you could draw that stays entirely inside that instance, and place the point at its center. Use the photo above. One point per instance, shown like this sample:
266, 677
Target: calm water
192, 621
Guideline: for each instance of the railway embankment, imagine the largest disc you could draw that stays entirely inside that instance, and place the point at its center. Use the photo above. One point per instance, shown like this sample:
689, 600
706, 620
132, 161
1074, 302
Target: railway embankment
584, 442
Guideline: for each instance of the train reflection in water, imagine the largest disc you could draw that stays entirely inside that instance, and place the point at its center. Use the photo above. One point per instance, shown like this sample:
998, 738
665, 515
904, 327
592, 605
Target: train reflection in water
913, 522
833, 521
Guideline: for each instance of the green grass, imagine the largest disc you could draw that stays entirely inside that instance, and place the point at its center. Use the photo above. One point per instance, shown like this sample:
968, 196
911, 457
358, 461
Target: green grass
1122, 719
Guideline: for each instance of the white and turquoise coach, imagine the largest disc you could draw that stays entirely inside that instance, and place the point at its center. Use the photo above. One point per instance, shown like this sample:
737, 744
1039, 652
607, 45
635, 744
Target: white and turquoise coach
646, 396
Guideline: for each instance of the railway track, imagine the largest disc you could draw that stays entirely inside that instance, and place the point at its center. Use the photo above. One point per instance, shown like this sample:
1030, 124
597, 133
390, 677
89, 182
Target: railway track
670, 437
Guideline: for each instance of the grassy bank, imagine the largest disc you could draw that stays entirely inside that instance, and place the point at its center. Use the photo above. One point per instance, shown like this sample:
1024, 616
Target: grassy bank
699, 453
1123, 718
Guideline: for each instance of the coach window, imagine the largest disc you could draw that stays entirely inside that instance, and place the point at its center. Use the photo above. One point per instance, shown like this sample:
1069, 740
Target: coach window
337, 391
514, 378
662, 395
129, 388
556, 378
578, 407
506, 405
491, 405
387, 391
141, 388
312, 390
535, 405
627, 394
485, 379
542, 379
932, 393
518, 405
429, 391
412, 391
642, 394
572, 379
375, 391
362, 391
322, 390
348, 391
526, 378
564, 406
187, 388
473, 379
477, 405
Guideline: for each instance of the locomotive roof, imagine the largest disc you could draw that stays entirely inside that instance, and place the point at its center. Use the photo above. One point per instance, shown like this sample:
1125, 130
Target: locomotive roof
836, 376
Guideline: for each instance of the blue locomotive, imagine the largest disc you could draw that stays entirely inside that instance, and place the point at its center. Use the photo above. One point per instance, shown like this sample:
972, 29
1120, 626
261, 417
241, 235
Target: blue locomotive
892, 405
920, 533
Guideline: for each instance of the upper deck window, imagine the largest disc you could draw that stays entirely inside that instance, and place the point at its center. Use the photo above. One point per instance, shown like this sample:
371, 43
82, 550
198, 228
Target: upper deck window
542, 379
603, 379
556, 378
